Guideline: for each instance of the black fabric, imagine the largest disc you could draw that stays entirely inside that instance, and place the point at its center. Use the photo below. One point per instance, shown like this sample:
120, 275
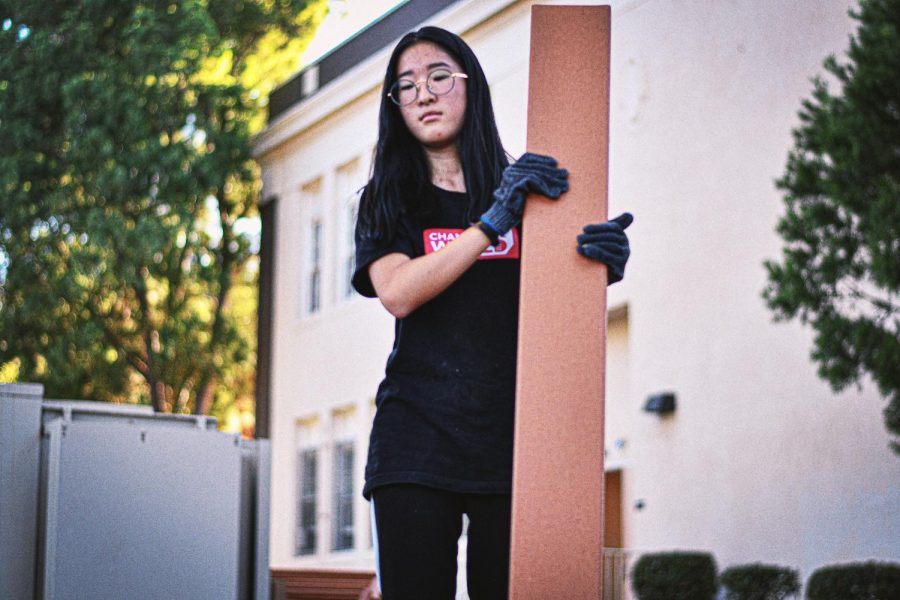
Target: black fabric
417, 533
445, 407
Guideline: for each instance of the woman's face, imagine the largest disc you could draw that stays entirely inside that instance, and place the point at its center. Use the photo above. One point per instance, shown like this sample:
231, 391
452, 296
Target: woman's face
433, 120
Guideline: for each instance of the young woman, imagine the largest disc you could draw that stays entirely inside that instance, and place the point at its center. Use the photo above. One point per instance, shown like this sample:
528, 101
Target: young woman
437, 242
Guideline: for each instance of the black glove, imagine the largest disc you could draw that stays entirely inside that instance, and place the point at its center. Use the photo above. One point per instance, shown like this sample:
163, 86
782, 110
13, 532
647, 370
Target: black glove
607, 243
531, 173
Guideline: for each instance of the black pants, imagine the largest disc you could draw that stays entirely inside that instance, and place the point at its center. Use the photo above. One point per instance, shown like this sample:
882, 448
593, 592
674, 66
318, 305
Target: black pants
417, 531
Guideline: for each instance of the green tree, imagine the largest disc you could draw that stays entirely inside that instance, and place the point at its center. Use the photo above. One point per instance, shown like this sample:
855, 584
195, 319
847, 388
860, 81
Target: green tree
125, 175
840, 268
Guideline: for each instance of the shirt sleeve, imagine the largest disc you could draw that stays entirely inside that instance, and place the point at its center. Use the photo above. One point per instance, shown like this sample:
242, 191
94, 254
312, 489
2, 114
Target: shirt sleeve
369, 250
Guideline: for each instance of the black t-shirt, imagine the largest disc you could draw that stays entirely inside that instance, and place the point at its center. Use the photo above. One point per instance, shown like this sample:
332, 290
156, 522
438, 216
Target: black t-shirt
446, 406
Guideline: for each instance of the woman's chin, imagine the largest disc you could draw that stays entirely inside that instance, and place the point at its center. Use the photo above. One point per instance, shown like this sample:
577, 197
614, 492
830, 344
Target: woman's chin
437, 142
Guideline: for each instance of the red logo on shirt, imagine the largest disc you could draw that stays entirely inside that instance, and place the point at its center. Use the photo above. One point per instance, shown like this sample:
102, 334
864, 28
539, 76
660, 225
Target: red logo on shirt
507, 246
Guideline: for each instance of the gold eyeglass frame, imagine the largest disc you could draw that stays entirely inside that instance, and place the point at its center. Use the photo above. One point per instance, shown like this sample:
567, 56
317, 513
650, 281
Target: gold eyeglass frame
455, 76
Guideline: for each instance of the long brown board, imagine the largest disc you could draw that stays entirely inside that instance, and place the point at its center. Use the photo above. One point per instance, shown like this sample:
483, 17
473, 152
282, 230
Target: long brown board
557, 529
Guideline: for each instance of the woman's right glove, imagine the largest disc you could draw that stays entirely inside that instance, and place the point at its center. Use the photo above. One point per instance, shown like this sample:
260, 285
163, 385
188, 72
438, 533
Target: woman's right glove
608, 243
532, 173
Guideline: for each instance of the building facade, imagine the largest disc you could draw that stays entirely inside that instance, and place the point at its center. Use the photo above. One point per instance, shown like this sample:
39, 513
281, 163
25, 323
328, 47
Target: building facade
760, 460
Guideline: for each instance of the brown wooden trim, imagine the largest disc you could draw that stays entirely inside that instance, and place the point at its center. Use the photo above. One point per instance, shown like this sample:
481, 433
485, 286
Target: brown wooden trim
406, 17
319, 584
267, 213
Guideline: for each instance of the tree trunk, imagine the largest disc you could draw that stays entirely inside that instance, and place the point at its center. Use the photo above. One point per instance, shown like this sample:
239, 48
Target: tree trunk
204, 396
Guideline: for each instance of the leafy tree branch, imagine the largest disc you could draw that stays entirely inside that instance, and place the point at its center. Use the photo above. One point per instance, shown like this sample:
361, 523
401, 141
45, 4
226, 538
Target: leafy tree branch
840, 265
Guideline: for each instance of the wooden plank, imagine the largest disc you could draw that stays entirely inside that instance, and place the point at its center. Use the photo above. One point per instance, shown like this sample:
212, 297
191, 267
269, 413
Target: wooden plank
557, 534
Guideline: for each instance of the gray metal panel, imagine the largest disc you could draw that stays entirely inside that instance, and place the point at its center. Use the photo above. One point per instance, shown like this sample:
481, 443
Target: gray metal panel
49, 507
90, 406
82, 410
141, 511
263, 483
254, 559
20, 437
247, 526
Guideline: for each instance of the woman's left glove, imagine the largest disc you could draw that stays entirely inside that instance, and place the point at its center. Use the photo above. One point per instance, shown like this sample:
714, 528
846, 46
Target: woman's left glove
607, 243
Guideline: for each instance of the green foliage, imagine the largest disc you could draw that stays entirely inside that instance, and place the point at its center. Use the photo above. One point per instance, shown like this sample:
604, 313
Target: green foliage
840, 269
125, 176
675, 576
855, 581
759, 582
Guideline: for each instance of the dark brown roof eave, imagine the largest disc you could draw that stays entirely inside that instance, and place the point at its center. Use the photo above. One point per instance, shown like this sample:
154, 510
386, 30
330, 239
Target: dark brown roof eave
379, 34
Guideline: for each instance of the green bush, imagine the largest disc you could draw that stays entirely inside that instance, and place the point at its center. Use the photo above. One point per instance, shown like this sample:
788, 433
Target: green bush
675, 576
759, 582
855, 581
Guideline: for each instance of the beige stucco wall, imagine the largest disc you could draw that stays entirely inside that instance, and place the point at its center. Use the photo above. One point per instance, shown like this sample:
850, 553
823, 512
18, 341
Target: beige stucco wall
761, 461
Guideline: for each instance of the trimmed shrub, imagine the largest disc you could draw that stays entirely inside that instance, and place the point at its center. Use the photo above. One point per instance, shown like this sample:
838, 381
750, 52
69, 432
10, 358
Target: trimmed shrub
759, 582
675, 576
855, 581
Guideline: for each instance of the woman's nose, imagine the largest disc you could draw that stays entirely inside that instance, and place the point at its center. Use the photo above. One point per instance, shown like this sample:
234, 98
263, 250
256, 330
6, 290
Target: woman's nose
424, 94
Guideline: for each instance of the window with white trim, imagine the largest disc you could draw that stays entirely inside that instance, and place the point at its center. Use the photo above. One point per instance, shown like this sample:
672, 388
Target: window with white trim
307, 502
351, 210
343, 496
312, 247
314, 285
349, 180
308, 484
344, 423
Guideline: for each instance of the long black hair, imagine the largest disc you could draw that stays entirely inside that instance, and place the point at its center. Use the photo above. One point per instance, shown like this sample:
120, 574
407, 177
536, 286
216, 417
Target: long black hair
400, 170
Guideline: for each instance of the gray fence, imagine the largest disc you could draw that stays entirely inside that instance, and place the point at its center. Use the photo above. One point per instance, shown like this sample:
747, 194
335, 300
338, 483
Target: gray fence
110, 501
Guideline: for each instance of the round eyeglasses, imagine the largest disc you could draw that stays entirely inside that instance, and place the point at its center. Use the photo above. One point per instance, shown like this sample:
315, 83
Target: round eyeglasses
439, 82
